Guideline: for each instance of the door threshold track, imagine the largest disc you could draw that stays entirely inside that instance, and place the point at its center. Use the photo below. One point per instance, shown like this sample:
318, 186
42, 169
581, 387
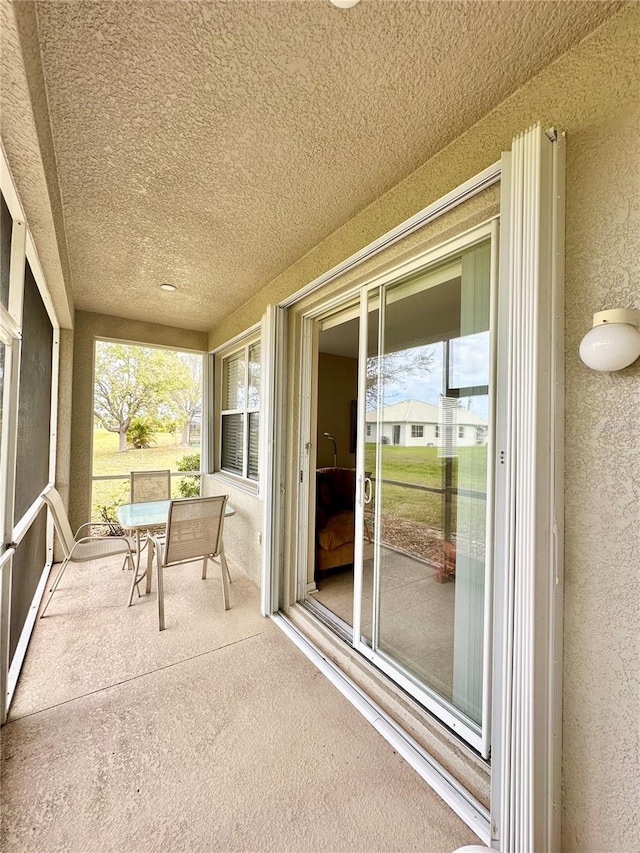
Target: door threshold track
472, 812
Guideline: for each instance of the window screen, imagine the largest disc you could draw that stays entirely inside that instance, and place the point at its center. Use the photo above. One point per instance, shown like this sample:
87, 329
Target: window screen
26, 571
32, 458
34, 406
6, 227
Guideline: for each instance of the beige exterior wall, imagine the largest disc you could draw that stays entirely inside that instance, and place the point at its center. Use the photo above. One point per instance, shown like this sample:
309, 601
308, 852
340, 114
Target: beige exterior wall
88, 327
241, 531
592, 94
602, 493
63, 434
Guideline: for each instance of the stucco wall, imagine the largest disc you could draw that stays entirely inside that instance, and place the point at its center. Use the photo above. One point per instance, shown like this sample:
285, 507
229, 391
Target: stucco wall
592, 93
63, 430
87, 328
602, 511
242, 530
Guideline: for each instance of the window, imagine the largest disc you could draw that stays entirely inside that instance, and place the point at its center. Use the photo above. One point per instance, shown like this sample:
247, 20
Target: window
436, 430
240, 412
368, 429
417, 431
460, 432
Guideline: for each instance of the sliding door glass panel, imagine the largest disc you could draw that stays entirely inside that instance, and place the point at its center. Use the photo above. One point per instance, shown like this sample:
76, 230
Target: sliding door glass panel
428, 401
334, 480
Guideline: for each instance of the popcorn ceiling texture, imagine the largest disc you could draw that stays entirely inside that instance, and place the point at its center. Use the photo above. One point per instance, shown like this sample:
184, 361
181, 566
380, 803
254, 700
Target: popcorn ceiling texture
600, 71
212, 144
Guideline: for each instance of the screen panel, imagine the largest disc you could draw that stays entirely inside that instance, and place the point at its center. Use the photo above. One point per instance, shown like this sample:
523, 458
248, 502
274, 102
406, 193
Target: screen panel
6, 227
27, 565
34, 407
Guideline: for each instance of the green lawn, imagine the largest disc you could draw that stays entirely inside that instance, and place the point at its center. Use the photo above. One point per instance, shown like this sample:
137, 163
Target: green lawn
165, 453
421, 466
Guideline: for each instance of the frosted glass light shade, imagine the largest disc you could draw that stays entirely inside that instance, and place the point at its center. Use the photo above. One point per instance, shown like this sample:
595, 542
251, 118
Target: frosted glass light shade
344, 4
610, 346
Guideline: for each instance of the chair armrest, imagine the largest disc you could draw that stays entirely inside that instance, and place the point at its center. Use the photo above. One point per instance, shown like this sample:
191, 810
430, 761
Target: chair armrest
108, 524
85, 539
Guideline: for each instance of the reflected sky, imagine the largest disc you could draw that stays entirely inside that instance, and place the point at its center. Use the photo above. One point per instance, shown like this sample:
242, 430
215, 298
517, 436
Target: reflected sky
469, 367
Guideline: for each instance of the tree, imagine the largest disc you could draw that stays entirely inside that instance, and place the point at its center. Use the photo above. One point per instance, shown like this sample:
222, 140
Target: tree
189, 487
397, 369
140, 434
185, 391
130, 381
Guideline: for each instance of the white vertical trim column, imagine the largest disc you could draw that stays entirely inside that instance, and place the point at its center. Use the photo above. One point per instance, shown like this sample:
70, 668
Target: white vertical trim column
528, 605
272, 439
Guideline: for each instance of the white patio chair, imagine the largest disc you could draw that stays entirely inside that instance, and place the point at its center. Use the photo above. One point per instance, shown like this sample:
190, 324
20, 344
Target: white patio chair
150, 486
80, 549
194, 529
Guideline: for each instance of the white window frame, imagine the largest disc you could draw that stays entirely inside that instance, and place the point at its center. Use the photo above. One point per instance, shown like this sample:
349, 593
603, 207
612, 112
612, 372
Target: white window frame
417, 431
241, 344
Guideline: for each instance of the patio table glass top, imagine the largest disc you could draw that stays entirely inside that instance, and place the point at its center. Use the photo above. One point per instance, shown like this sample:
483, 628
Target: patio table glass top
149, 514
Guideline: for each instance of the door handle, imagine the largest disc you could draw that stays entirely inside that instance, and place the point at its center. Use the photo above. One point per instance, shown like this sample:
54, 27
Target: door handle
368, 490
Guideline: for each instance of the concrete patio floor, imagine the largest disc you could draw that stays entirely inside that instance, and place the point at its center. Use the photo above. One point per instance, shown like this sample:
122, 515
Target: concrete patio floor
217, 734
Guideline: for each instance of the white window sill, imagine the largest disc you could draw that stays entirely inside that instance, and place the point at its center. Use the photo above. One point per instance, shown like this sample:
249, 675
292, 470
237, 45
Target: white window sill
248, 486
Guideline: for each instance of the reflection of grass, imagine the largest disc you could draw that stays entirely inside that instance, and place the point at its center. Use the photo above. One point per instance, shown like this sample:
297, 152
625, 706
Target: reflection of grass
108, 460
407, 464
421, 466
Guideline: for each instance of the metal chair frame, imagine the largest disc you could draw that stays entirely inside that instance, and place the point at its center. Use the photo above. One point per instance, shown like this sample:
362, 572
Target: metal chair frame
194, 530
80, 549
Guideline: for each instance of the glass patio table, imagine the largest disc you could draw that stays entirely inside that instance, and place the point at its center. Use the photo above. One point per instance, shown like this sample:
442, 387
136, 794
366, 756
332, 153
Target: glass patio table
148, 517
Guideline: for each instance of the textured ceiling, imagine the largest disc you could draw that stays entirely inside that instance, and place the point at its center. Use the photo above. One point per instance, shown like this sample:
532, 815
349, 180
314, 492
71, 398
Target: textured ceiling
212, 144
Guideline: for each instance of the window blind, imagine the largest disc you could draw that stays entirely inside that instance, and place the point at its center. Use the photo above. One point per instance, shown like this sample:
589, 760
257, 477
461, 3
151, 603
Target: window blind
232, 437
234, 382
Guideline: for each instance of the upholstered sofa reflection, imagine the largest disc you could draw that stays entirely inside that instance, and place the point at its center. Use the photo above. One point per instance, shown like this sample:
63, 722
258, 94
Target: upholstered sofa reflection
335, 498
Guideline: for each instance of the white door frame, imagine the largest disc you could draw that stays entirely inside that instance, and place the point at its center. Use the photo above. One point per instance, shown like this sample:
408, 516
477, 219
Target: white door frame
540, 157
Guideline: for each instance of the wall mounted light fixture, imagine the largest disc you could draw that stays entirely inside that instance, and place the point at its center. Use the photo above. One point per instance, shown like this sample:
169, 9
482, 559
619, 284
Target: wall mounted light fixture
614, 341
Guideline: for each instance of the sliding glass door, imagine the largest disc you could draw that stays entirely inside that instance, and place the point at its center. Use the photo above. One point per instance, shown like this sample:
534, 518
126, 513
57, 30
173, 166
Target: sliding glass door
424, 471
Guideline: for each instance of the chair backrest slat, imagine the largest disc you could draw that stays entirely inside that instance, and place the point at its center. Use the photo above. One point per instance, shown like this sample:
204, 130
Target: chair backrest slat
194, 528
150, 486
53, 500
